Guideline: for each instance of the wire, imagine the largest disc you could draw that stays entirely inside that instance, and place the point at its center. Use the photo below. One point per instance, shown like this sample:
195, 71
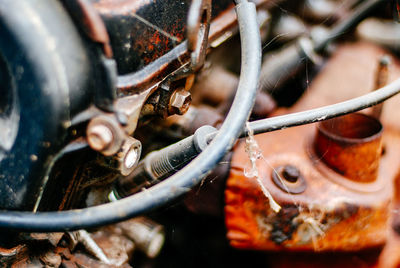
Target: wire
184, 180
326, 112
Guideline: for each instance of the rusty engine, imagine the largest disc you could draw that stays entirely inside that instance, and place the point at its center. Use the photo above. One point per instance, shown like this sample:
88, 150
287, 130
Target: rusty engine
199, 133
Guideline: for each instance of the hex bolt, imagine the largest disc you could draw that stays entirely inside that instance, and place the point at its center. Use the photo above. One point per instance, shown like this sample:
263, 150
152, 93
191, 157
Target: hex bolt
290, 173
99, 137
180, 102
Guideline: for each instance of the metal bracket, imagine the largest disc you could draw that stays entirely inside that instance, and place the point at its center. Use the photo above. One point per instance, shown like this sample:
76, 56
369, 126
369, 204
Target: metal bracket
198, 27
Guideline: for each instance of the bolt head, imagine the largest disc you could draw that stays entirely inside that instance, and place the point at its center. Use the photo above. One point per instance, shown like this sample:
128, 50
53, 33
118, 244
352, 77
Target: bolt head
99, 137
180, 101
290, 173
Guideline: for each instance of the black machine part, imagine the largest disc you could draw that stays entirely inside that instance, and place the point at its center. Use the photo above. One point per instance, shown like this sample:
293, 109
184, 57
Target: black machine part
45, 67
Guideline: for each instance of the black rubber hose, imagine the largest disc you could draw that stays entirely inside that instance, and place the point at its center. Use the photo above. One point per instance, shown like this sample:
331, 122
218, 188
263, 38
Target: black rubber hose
182, 181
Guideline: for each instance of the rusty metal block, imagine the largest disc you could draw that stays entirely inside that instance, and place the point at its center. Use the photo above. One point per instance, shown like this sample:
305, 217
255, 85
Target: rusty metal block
337, 211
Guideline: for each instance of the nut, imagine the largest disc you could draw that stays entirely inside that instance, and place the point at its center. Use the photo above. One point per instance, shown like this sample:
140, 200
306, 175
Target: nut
180, 102
126, 159
129, 156
99, 137
105, 135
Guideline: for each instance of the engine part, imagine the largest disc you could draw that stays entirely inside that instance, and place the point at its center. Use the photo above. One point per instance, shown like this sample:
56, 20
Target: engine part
352, 198
158, 165
187, 177
279, 66
90, 245
148, 235
382, 78
389, 256
157, 48
40, 94
351, 145
258, 126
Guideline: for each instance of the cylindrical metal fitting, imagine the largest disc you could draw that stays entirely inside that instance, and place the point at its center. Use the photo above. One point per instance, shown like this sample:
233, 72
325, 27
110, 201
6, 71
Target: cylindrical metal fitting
105, 135
147, 235
351, 145
100, 137
129, 155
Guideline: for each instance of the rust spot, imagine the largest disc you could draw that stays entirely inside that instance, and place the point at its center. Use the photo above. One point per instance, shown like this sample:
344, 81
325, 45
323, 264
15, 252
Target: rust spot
283, 225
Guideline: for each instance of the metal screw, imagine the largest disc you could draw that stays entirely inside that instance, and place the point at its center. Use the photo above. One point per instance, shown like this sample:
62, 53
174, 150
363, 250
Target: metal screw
180, 101
290, 173
83, 237
99, 137
105, 134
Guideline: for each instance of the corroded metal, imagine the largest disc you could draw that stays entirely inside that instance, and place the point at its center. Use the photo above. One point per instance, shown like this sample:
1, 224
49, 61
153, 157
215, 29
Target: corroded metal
179, 102
351, 145
289, 179
110, 246
335, 212
160, 62
198, 27
381, 80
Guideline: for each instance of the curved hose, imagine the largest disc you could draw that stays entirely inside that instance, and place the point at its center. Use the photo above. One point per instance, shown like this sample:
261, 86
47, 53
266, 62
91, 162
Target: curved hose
182, 181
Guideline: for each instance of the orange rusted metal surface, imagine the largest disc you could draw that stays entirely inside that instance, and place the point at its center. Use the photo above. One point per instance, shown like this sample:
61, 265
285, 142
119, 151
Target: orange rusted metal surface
351, 145
337, 211
333, 213
390, 256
